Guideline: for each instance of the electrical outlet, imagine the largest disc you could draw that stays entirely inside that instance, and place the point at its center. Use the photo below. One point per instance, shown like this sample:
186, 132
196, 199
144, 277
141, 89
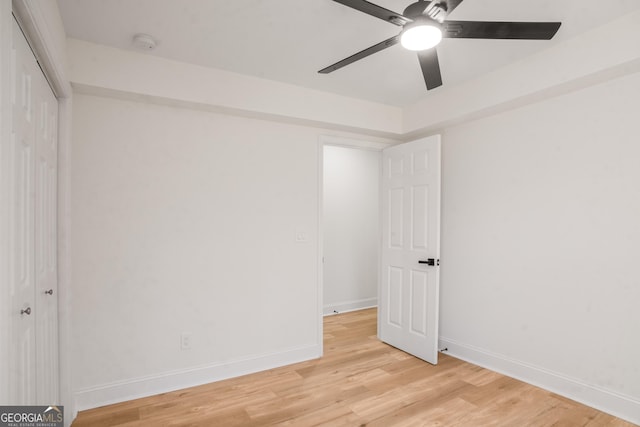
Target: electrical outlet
185, 341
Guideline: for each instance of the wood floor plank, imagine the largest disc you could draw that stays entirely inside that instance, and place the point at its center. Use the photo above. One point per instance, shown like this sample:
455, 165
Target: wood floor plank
360, 381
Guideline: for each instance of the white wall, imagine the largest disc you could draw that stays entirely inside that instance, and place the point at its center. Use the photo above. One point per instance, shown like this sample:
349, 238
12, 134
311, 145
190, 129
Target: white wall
97, 68
483, 330
185, 221
608, 51
540, 238
350, 228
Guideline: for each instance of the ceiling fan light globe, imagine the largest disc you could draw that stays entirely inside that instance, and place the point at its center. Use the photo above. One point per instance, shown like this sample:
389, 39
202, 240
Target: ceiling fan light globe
420, 37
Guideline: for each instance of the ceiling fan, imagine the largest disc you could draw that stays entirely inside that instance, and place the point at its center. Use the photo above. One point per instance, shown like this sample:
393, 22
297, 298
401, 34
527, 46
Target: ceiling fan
424, 23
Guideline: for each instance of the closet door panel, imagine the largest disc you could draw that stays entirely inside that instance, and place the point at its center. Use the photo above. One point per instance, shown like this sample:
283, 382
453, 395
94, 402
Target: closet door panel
46, 289
22, 224
32, 245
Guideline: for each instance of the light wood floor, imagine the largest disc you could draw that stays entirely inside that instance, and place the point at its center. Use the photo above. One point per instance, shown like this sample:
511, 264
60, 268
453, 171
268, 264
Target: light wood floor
359, 382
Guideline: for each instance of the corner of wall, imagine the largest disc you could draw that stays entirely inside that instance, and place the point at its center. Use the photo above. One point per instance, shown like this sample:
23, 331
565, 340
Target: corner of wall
121, 73
43, 27
533, 79
616, 404
347, 306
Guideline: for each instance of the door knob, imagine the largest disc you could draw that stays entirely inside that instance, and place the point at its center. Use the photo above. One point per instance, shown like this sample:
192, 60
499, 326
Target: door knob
26, 311
49, 292
429, 261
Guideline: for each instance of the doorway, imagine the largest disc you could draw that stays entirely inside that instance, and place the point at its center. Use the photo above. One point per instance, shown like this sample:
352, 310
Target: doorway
380, 210
350, 228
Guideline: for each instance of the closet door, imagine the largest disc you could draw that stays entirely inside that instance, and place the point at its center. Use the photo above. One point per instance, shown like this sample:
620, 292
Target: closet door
22, 224
46, 289
33, 241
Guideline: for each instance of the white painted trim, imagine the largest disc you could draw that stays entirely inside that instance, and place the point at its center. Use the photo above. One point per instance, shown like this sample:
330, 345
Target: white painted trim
347, 306
613, 403
33, 23
136, 388
5, 134
380, 225
320, 284
64, 258
353, 143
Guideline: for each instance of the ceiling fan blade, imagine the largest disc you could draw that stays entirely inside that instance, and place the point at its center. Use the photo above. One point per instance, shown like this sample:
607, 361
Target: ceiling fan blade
500, 30
430, 68
375, 11
362, 54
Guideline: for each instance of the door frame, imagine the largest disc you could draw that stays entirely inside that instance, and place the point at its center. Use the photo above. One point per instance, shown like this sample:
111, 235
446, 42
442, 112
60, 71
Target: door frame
35, 20
336, 141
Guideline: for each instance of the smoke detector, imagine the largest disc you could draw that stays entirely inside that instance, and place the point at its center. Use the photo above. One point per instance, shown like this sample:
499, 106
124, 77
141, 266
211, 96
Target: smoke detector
144, 42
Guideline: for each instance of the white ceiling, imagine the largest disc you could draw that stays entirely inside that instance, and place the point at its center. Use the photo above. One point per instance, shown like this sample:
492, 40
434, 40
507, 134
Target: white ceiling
290, 40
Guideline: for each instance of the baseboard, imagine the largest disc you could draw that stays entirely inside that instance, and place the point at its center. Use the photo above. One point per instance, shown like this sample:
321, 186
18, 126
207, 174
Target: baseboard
613, 403
346, 306
136, 388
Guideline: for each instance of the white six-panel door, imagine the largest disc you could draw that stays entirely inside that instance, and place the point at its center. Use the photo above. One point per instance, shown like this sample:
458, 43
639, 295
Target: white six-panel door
46, 272
409, 294
21, 245
32, 239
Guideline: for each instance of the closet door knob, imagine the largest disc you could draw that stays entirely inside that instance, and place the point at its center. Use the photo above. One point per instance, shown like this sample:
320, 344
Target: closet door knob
49, 292
26, 311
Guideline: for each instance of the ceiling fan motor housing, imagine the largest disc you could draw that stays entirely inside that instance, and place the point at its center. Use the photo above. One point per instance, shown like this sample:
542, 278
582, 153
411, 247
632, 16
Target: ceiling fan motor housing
436, 10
